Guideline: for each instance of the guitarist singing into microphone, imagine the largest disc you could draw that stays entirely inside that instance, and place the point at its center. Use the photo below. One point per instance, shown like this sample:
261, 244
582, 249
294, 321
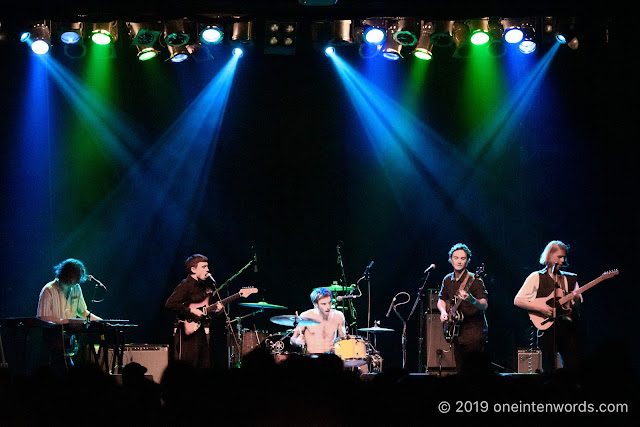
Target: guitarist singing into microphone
557, 332
466, 326
193, 347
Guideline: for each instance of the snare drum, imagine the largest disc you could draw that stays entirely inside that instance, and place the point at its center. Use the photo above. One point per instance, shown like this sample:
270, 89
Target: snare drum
352, 350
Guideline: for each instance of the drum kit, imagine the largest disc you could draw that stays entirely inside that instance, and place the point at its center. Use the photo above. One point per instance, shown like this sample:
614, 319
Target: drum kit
355, 351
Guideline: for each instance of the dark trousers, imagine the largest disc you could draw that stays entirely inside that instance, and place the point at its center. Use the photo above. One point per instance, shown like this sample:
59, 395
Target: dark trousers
566, 344
192, 349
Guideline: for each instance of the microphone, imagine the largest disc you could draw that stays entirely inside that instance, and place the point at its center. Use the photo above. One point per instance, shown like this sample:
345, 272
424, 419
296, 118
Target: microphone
341, 297
556, 268
431, 267
255, 260
99, 283
212, 279
368, 267
391, 306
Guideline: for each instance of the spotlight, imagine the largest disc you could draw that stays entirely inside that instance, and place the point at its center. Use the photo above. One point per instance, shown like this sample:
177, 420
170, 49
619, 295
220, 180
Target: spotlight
104, 33
341, 32
212, 35
513, 32
281, 37
442, 33
479, 29
404, 31
460, 33
71, 33
178, 53
144, 36
496, 45
424, 47
242, 32
175, 34
564, 31
528, 44
330, 50
39, 38
237, 52
374, 35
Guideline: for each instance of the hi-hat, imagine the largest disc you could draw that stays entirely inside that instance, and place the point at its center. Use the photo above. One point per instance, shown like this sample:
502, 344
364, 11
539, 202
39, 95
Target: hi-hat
376, 329
291, 320
261, 304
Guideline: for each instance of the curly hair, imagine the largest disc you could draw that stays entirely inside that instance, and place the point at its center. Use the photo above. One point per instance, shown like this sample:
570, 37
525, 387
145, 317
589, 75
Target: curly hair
70, 271
459, 246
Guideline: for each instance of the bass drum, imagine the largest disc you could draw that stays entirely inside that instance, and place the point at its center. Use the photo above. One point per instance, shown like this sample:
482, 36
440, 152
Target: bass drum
279, 345
252, 339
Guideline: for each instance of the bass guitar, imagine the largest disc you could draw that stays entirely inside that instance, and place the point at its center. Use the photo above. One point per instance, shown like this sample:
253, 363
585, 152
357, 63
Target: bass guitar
190, 326
562, 303
451, 327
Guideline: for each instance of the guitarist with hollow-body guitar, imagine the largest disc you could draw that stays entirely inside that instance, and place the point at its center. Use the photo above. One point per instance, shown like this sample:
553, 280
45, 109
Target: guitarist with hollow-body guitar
467, 290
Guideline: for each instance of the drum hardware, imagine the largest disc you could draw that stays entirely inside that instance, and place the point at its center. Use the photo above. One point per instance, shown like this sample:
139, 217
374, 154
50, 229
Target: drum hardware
352, 350
338, 288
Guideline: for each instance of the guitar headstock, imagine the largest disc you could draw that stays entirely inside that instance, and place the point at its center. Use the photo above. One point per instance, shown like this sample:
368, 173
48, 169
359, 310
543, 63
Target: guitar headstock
480, 270
245, 292
610, 273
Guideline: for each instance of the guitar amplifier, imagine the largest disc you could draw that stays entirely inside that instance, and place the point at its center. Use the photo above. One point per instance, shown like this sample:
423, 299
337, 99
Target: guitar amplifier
439, 353
154, 357
530, 361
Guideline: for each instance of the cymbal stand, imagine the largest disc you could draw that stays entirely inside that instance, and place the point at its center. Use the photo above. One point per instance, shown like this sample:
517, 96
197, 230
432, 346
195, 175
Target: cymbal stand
343, 276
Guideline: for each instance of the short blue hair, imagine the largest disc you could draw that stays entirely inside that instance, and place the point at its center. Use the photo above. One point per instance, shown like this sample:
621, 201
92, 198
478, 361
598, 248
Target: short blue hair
318, 293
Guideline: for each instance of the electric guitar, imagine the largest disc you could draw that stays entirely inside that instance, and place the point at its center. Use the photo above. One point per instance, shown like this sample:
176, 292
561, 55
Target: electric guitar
451, 327
562, 302
190, 326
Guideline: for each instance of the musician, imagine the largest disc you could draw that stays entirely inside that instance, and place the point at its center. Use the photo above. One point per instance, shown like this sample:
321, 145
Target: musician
59, 300
472, 334
532, 297
320, 338
195, 290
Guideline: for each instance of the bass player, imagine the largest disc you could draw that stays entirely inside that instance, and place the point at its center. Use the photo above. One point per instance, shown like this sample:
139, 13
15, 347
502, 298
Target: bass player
193, 347
560, 336
471, 335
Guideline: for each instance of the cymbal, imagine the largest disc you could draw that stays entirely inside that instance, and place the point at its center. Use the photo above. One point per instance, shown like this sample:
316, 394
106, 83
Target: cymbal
291, 320
376, 329
336, 288
261, 304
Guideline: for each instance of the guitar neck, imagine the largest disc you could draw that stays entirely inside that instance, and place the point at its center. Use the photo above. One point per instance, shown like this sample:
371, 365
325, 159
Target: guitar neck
580, 290
225, 300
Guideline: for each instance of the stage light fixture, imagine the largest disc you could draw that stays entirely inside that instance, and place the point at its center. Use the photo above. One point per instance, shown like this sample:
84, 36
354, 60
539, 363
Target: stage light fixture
38, 38
281, 37
71, 33
212, 34
479, 29
330, 50
424, 46
513, 32
496, 45
563, 31
374, 35
178, 53
242, 32
460, 33
442, 34
144, 36
405, 31
175, 34
391, 49
104, 33
528, 44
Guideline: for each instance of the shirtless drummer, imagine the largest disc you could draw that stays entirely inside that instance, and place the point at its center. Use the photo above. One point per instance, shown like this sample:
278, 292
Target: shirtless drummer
320, 338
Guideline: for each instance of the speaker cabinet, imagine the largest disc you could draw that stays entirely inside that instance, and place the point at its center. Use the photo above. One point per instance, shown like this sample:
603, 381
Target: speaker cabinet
154, 357
439, 354
530, 361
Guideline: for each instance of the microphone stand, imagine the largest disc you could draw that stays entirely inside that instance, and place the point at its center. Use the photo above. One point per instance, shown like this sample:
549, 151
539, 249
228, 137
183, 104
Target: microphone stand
343, 277
229, 327
404, 329
419, 299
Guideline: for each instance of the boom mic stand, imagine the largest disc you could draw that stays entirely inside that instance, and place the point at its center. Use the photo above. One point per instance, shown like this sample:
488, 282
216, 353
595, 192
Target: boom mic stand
404, 328
419, 299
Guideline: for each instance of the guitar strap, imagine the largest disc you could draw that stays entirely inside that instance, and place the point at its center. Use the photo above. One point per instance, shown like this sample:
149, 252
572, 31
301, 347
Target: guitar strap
464, 282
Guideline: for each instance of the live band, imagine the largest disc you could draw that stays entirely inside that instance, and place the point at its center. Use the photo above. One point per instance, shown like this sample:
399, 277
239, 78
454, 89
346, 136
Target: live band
550, 296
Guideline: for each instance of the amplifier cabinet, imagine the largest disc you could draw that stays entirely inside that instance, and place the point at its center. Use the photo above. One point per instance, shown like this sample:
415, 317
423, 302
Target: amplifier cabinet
154, 357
